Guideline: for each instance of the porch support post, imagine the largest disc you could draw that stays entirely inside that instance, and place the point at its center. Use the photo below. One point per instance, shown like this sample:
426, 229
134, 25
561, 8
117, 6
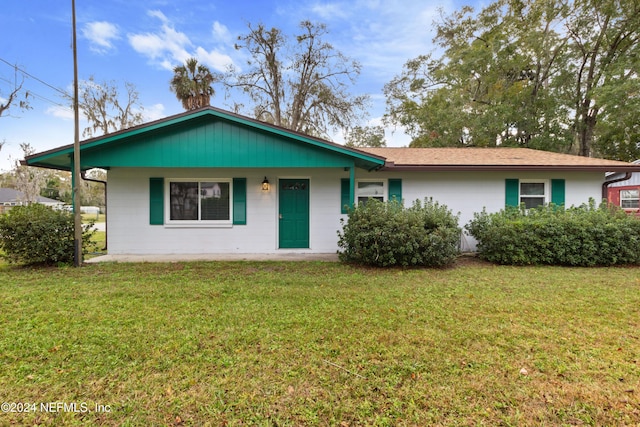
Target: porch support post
352, 185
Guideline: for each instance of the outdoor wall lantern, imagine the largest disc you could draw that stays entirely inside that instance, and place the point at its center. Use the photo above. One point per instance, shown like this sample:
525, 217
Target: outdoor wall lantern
265, 184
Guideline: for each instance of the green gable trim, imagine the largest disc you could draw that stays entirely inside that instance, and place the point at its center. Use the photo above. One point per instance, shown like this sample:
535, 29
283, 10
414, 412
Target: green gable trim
213, 144
207, 138
395, 189
512, 192
557, 192
345, 195
156, 201
239, 201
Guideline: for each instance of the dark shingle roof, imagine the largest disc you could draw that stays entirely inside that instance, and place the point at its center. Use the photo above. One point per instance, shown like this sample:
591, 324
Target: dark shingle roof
11, 195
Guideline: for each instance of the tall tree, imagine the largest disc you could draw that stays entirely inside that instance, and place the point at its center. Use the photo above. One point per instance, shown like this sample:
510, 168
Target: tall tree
367, 136
618, 129
520, 72
106, 109
300, 85
192, 84
27, 179
93, 193
605, 42
57, 185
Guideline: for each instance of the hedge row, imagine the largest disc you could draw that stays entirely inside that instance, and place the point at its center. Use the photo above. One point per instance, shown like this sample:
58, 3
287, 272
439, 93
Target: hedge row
38, 234
587, 236
387, 234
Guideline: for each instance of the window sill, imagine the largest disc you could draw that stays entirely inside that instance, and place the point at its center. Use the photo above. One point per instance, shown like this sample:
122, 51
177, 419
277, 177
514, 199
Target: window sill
198, 225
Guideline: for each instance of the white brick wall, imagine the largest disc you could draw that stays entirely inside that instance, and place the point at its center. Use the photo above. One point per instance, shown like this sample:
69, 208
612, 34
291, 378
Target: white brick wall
130, 232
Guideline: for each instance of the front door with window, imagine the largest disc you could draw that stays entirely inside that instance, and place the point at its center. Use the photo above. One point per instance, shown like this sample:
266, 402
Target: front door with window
293, 213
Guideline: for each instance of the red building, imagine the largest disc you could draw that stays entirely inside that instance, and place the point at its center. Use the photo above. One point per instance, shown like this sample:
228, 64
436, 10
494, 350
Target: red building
624, 191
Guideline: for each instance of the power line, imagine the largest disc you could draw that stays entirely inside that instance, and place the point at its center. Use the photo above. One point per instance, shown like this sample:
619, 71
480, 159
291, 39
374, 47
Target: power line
36, 94
15, 67
24, 72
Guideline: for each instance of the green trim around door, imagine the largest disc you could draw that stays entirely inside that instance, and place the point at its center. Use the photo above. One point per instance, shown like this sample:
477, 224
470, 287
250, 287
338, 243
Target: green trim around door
293, 214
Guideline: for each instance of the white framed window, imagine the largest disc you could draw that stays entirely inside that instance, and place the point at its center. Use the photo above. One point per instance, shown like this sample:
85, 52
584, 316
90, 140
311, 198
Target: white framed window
199, 201
371, 189
629, 198
534, 193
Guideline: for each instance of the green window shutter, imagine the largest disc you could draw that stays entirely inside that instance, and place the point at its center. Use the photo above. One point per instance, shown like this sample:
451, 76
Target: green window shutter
156, 201
395, 189
240, 201
512, 192
557, 192
344, 195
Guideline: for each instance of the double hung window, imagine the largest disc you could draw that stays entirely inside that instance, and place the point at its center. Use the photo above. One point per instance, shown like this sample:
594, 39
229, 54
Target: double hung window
199, 201
370, 190
629, 198
533, 193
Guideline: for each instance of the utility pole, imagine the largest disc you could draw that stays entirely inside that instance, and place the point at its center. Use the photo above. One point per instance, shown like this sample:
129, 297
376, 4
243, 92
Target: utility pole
77, 217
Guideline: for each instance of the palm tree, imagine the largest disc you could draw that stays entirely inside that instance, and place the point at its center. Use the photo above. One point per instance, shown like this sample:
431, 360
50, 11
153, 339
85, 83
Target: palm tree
192, 84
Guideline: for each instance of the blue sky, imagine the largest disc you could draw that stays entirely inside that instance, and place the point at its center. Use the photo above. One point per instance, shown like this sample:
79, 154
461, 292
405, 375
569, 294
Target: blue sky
140, 42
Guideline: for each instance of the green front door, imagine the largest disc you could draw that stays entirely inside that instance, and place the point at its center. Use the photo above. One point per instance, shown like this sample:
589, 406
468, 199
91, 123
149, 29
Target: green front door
293, 212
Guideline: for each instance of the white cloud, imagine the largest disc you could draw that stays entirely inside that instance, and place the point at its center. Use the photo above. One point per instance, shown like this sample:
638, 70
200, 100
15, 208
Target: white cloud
64, 113
395, 33
329, 11
164, 47
101, 34
221, 33
158, 14
213, 59
169, 47
155, 112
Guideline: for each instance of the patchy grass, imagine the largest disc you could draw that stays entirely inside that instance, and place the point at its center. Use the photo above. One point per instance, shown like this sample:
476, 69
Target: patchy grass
249, 343
99, 240
97, 218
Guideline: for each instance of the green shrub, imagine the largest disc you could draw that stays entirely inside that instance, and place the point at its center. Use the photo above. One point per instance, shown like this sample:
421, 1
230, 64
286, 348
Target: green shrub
583, 236
38, 234
387, 234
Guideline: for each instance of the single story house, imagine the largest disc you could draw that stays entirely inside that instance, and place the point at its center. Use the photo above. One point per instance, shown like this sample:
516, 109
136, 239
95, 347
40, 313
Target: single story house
211, 181
10, 198
624, 190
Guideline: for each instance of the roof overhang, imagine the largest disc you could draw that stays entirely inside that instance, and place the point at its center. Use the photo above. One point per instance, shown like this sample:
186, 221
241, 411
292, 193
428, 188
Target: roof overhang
390, 166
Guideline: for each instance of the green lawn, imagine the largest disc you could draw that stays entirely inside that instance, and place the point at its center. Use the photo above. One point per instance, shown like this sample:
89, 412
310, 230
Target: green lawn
250, 343
93, 217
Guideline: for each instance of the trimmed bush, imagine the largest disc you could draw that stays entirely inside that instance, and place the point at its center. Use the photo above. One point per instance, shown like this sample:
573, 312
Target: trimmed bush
38, 234
387, 234
583, 236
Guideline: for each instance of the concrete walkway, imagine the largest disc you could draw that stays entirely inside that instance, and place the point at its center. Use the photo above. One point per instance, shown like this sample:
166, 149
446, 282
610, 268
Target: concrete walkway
290, 256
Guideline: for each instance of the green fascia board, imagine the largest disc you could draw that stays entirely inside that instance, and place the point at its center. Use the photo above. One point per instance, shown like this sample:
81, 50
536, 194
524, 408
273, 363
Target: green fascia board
184, 140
